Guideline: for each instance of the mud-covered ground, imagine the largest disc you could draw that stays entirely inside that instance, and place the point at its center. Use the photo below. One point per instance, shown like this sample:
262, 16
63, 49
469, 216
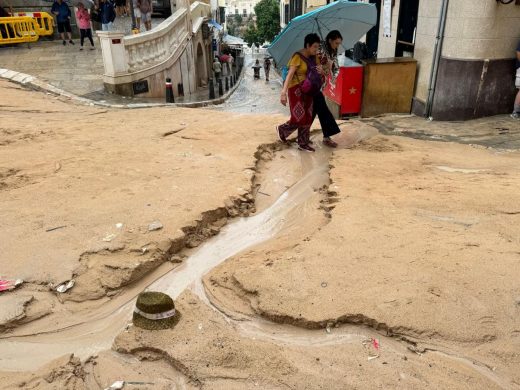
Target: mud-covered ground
390, 263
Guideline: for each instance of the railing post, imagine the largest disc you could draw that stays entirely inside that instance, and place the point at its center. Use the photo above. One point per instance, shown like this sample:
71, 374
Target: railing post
220, 91
211, 89
169, 91
113, 50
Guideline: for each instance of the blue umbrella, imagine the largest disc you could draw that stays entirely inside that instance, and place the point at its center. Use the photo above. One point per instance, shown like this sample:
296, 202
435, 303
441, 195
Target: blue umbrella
352, 20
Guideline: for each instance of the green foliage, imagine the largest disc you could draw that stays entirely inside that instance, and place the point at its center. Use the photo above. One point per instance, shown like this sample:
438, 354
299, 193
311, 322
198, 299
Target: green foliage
236, 25
251, 35
267, 19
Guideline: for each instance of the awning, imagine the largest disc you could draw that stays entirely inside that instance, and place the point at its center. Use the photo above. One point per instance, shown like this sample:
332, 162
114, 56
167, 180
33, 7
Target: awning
213, 23
231, 40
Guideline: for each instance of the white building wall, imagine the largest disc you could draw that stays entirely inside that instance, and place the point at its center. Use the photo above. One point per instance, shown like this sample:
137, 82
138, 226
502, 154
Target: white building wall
474, 30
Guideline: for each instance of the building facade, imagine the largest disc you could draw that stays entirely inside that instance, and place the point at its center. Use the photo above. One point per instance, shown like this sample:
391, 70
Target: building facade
243, 8
474, 74
468, 72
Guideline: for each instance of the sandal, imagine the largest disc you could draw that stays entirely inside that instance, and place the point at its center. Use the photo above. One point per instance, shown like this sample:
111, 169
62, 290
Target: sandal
330, 143
306, 148
280, 135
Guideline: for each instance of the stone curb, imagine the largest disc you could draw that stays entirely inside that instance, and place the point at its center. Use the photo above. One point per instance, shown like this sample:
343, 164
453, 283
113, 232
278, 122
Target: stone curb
33, 82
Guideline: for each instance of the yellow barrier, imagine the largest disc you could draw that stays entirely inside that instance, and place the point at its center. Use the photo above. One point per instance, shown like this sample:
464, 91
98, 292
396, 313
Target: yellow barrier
18, 29
45, 22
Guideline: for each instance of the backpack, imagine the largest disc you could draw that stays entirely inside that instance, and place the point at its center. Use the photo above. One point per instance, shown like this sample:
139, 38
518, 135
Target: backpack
312, 83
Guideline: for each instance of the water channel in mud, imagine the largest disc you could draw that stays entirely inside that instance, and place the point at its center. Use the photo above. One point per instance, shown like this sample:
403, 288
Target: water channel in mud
89, 333
286, 197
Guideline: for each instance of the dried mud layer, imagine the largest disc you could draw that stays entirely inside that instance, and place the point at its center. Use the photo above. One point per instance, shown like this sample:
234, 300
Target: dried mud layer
402, 272
422, 246
81, 186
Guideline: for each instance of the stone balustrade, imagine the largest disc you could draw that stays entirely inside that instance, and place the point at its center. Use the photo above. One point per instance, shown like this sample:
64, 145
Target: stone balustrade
132, 58
155, 46
199, 12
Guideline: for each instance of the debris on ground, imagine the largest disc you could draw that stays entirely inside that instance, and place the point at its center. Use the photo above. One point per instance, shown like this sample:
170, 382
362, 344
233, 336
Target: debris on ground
109, 237
9, 284
55, 228
155, 225
373, 346
329, 326
64, 287
121, 384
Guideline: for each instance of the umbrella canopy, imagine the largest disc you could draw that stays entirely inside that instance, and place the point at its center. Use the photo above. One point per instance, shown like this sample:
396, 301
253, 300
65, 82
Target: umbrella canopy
87, 3
352, 20
231, 40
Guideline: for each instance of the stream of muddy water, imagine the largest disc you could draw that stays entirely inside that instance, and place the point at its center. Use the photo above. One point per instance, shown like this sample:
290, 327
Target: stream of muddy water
287, 194
29, 347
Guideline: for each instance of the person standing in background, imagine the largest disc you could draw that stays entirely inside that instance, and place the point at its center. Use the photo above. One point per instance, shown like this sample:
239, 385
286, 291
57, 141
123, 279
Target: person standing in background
217, 68
267, 68
145, 6
108, 14
137, 14
85, 30
62, 12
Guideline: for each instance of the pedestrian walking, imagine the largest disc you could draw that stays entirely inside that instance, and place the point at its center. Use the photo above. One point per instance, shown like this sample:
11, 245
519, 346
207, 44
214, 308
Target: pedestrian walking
85, 29
267, 68
107, 14
516, 108
328, 59
256, 70
62, 12
145, 6
301, 83
217, 68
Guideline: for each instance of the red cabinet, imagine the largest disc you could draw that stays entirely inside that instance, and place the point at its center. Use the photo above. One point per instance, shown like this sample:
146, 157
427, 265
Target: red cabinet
348, 89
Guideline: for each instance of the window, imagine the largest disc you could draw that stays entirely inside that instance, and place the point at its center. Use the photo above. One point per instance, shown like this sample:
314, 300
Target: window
236, 11
244, 12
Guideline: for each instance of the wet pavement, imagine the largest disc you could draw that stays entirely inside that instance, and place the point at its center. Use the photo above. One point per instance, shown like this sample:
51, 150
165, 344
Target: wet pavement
80, 72
261, 97
498, 132
255, 96
65, 67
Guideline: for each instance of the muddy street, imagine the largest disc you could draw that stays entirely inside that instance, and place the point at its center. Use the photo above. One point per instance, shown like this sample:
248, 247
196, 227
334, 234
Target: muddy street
388, 262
